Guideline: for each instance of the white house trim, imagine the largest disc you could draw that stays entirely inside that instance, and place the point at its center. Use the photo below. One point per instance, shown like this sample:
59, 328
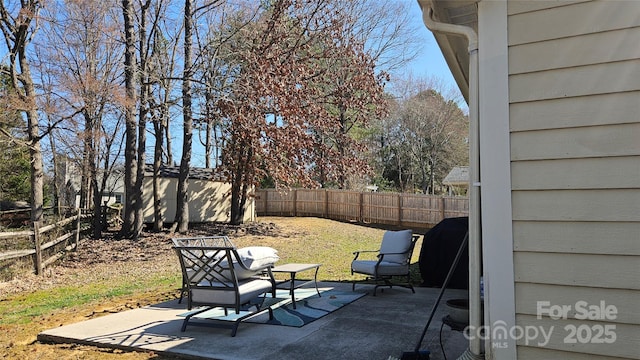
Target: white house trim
495, 175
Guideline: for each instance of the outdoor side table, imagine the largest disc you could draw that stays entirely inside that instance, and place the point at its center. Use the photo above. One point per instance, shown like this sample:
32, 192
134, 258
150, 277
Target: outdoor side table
293, 269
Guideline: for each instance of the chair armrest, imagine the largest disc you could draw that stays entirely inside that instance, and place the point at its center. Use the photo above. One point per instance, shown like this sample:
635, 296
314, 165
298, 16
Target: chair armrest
381, 256
357, 253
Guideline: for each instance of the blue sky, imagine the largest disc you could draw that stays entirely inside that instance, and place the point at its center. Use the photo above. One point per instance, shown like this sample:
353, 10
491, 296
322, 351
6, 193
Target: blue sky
430, 62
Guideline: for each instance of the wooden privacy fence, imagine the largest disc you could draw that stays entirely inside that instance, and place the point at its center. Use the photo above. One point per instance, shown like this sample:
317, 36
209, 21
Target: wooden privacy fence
412, 210
44, 244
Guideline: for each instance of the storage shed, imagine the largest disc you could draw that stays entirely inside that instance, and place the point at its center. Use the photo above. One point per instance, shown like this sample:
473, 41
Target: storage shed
209, 197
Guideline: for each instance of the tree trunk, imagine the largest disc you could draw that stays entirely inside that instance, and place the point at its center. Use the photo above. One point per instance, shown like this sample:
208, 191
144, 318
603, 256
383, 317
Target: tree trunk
95, 189
167, 131
238, 200
182, 209
84, 178
142, 121
157, 163
17, 32
239, 187
237, 205
37, 172
139, 185
130, 70
208, 146
56, 176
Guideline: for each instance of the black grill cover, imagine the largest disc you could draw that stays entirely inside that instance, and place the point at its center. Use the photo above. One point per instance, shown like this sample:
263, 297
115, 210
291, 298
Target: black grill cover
439, 248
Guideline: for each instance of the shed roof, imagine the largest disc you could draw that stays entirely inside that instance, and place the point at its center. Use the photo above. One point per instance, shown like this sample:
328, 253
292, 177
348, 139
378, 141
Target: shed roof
458, 176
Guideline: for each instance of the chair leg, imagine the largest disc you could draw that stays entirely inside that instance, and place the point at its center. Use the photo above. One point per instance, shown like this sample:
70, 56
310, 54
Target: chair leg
183, 290
234, 329
188, 317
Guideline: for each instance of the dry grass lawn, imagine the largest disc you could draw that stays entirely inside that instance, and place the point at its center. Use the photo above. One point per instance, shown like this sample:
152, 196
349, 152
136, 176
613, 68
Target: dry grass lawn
108, 275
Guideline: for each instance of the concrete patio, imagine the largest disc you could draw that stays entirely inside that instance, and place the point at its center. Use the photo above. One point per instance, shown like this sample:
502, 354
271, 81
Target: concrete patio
370, 328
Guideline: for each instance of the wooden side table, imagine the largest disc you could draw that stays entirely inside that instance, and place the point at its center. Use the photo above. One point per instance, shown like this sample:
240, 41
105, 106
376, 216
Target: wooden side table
293, 269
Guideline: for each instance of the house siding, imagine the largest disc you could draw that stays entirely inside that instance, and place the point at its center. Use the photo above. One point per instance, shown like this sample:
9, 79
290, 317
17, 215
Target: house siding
574, 110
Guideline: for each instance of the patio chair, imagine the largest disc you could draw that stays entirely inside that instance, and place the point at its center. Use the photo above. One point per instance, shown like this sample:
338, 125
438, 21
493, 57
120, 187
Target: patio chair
215, 275
393, 260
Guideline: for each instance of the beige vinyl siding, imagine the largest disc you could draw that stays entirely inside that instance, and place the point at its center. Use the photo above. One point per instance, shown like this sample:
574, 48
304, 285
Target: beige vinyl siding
524, 6
595, 271
604, 47
626, 300
570, 20
624, 347
574, 116
596, 109
537, 353
578, 142
612, 172
577, 237
577, 205
572, 82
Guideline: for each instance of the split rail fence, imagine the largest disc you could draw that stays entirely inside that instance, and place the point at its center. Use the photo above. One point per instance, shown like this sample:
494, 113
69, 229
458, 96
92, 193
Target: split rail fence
409, 210
43, 244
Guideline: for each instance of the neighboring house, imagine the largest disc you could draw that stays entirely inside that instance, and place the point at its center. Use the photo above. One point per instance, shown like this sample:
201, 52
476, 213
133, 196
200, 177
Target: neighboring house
555, 89
71, 177
457, 178
209, 198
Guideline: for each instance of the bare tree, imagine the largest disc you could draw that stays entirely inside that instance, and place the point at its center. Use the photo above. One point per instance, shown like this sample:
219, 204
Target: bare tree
424, 136
215, 70
385, 29
80, 68
181, 222
148, 24
19, 24
162, 66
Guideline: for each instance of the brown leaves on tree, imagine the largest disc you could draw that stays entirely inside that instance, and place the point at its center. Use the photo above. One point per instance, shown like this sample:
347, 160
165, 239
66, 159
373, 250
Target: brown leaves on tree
303, 84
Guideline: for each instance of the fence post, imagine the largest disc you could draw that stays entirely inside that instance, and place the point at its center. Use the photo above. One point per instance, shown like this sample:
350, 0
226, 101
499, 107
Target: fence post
361, 215
326, 203
37, 261
77, 239
266, 204
295, 202
399, 209
442, 213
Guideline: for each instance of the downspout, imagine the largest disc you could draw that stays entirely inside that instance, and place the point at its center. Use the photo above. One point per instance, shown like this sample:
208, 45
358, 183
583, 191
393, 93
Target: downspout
475, 246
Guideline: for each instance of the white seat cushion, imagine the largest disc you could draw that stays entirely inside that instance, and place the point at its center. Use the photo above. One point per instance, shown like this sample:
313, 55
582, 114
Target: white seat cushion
385, 269
258, 257
254, 259
214, 293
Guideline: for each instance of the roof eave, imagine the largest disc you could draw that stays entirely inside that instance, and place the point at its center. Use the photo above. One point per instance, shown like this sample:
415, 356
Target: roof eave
454, 48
